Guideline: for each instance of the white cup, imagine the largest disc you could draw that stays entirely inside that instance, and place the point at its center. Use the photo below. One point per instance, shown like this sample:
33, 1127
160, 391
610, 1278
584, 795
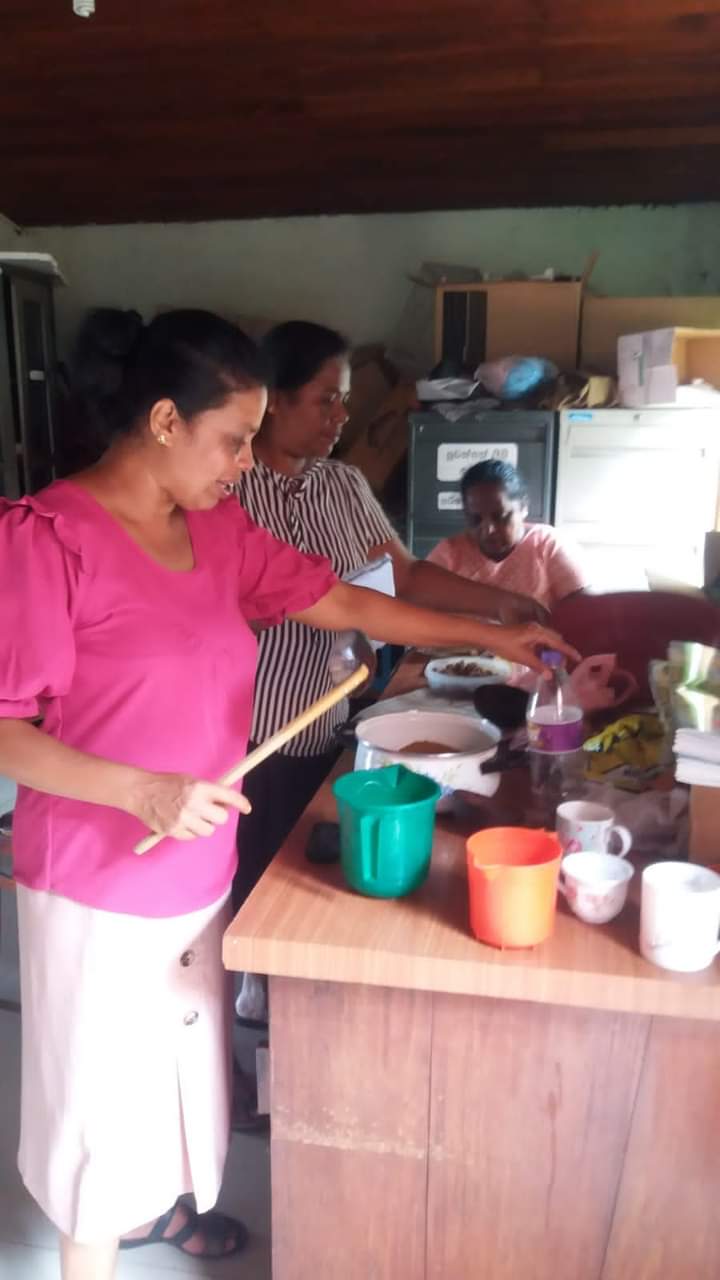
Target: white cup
680, 916
595, 885
582, 825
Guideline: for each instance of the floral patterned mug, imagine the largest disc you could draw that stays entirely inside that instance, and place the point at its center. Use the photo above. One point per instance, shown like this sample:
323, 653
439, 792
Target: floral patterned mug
581, 824
595, 885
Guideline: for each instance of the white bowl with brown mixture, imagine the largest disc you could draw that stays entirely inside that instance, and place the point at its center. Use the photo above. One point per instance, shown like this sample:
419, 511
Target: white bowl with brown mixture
450, 748
461, 676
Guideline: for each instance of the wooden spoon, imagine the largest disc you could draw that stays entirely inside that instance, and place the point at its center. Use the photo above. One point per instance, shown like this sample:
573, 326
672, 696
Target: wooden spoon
277, 740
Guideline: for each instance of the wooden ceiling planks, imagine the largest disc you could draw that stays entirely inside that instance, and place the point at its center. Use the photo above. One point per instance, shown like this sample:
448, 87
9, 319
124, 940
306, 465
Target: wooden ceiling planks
188, 109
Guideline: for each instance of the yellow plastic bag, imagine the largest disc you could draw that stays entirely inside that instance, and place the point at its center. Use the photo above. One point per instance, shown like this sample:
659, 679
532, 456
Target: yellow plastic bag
628, 752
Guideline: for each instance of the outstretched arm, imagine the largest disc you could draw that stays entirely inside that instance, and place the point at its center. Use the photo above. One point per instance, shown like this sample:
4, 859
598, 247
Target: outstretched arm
397, 622
434, 587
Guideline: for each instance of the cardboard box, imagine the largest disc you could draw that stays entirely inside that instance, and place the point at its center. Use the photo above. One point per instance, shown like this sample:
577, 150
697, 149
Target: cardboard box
604, 320
373, 378
383, 443
483, 322
654, 366
705, 825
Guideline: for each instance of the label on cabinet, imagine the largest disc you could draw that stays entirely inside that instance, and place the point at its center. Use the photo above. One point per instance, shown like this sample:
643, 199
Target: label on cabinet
453, 460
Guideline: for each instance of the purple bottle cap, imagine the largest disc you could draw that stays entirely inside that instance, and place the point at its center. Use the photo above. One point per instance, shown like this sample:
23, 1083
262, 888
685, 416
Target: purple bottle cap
552, 658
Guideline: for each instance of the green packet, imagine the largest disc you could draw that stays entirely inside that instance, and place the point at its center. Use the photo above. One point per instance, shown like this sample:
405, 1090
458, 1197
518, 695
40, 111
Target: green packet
694, 678
629, 753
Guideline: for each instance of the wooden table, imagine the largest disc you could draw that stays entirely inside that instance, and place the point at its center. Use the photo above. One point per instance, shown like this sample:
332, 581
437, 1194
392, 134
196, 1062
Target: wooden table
444, 1111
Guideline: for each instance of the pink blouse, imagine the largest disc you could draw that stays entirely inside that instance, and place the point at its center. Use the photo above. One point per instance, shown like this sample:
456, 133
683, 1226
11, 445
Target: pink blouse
540, 566
130, 661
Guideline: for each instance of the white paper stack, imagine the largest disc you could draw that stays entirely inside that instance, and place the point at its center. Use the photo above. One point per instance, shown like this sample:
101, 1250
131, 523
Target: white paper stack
698, 757
378, 575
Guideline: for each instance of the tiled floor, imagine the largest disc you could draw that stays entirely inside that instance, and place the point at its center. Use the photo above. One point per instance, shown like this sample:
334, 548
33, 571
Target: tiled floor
27, 1241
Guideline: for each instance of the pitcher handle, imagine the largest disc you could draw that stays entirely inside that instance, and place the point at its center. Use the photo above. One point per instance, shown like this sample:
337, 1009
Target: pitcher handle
628, 683
504, 757
370, 846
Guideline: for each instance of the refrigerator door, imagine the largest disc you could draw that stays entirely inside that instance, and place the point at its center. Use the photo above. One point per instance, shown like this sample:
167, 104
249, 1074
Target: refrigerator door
637, 491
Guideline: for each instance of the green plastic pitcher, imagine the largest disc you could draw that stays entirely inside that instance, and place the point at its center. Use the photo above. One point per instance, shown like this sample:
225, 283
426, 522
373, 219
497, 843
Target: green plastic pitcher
387, 818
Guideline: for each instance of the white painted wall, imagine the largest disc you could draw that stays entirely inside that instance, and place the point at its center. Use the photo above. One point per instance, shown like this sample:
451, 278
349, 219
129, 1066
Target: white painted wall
351, 272
10, 236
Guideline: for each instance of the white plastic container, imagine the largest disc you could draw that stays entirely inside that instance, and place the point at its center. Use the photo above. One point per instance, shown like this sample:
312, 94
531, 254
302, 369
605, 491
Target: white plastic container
473, 742
441, 677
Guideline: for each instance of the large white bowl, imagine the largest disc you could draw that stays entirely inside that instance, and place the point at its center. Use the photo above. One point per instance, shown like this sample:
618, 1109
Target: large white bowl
495, 671
472, 741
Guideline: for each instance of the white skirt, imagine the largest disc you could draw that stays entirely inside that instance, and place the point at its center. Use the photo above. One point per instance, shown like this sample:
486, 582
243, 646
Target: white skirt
126, 1062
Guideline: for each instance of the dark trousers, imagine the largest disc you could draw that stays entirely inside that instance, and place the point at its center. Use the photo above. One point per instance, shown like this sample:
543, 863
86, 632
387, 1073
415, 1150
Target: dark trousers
278, 790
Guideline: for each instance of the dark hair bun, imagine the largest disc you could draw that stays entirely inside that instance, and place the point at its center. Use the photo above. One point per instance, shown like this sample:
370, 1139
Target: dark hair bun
122, 367
114, 332
105, 342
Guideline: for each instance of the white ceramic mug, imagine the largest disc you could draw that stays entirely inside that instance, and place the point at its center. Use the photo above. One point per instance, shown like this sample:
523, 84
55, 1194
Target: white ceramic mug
595, 885
582, 825
680, 916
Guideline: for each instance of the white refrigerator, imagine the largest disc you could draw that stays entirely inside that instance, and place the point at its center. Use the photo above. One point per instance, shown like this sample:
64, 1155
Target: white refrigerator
637, 490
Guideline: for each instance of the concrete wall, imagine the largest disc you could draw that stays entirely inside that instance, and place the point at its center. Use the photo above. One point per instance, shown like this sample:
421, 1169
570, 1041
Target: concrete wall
11, 237
352, 271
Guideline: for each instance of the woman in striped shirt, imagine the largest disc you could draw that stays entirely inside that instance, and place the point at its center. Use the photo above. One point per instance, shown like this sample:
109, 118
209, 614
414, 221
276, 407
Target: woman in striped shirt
326, 507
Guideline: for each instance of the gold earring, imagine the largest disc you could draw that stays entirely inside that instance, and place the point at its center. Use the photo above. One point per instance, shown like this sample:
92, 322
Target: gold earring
162, 438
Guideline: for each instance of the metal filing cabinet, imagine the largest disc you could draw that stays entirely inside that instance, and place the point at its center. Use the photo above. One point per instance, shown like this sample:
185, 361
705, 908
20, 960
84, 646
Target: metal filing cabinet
441, 452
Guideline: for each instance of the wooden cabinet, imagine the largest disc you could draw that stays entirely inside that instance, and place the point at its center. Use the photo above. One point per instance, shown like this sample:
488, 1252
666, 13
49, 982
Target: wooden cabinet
27, 381
442, 1110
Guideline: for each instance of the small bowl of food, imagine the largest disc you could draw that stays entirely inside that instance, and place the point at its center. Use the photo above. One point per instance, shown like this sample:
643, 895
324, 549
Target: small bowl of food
461, 676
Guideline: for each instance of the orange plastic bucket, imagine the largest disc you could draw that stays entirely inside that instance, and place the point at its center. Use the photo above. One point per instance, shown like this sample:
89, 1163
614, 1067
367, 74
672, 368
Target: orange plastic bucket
512, 879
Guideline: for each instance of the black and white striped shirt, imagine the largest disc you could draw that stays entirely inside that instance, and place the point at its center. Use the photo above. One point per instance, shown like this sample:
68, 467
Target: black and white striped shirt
330, 510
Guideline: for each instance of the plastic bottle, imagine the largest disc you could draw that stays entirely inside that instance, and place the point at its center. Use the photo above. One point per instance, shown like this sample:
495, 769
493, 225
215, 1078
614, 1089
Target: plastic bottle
555, 737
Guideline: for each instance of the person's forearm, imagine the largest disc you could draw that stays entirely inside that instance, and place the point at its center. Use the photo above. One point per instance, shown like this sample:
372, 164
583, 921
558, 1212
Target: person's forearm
396, 622
168, 803
432, 587
34, 759
393, 621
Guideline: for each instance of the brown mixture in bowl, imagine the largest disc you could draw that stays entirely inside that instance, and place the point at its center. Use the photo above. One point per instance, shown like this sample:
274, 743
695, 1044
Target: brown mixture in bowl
466, 669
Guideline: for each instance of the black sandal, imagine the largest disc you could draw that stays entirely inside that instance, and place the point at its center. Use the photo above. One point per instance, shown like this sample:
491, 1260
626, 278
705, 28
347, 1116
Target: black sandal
215, 1228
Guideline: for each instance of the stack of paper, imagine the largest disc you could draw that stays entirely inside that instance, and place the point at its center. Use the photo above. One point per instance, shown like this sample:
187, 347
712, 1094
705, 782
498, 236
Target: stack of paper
698, 757
378, 575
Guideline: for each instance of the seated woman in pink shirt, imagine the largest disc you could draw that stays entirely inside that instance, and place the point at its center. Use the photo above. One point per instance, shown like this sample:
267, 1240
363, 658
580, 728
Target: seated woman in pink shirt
127, 665
499, 548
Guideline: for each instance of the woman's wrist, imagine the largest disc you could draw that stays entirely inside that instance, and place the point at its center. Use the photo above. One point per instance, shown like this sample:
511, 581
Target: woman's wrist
132, 787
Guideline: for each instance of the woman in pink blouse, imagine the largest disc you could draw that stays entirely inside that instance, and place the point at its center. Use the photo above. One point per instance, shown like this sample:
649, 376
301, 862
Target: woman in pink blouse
128, 592
499, 548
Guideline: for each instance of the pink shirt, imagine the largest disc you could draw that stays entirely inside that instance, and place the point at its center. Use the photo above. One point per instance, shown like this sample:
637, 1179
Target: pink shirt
131, 661
539, 566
